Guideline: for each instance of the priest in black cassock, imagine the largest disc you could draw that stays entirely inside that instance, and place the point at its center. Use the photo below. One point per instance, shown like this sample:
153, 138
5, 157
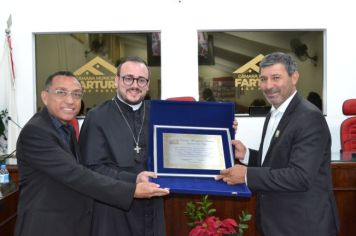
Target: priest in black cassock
114, 142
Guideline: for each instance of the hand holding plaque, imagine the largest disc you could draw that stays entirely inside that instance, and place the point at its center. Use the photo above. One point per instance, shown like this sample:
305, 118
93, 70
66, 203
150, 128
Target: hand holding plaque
191, 144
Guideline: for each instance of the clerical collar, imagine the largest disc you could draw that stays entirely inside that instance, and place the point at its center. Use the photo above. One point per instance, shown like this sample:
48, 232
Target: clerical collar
134, 107
283, 107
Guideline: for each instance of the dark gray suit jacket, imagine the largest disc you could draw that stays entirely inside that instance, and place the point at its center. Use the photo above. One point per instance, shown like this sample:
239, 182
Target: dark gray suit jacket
293, 186
56, 192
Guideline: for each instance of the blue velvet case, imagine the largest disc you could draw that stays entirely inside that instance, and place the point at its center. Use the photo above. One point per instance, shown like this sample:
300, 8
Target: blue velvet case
185, 117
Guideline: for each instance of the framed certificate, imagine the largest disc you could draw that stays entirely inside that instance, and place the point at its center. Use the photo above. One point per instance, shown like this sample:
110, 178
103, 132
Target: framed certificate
190, 142
191, 151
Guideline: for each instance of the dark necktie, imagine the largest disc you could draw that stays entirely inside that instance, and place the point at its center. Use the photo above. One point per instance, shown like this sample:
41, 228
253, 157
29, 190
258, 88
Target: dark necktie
70, 138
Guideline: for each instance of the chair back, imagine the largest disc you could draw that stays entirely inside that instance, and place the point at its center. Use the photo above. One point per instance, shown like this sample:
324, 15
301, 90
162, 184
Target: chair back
185, 98
348, 127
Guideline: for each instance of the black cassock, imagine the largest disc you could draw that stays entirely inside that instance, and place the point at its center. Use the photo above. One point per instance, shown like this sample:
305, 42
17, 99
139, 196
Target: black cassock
107, 146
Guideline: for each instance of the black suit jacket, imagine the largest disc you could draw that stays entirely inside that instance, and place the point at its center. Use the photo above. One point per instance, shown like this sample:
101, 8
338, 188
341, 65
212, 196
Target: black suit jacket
294, 184
56, 192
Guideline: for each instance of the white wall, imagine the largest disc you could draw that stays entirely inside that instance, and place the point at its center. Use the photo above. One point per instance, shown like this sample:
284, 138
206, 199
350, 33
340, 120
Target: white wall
179, 22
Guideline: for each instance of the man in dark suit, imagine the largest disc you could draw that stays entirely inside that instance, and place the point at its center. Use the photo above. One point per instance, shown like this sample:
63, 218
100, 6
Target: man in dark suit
56, 192
291, 171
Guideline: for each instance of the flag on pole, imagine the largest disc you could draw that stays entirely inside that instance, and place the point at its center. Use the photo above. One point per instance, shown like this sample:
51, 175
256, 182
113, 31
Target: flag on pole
8, 131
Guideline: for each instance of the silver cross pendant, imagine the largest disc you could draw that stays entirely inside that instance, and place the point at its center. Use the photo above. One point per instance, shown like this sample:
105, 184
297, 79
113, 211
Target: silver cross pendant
137, 149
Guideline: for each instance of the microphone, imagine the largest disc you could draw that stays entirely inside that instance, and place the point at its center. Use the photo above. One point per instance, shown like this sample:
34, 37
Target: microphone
4, 157
10, 119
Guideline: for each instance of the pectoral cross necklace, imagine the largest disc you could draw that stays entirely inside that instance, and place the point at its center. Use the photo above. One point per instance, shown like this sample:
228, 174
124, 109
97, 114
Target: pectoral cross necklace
137, 147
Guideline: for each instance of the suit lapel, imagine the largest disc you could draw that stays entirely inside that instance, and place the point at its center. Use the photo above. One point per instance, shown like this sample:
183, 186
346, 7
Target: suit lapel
45, 115
287, 115
268, 117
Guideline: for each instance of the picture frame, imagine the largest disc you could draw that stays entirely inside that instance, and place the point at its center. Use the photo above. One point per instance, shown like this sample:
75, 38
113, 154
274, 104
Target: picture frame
154, 49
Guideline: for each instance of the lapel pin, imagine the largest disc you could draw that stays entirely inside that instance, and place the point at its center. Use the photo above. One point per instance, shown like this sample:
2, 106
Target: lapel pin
277, 134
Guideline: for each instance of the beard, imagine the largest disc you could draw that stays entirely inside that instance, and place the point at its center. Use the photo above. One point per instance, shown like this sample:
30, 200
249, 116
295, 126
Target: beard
132, 96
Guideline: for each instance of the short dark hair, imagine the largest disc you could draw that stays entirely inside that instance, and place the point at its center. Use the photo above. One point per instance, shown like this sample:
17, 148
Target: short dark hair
208, 94
132, 59
279, 57
315, 98
50, 78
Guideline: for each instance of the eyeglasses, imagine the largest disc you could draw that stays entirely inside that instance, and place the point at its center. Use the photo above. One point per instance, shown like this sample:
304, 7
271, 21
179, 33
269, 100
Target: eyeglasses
62, 94
129, 79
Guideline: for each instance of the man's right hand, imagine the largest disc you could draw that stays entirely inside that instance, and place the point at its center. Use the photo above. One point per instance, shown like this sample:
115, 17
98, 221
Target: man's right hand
240, 149
148, 190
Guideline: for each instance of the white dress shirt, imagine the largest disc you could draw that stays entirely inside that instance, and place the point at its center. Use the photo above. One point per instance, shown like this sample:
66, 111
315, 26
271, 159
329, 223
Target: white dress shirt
273, 122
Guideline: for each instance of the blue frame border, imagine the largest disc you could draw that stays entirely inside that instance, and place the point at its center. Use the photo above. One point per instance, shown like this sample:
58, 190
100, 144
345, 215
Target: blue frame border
158, 159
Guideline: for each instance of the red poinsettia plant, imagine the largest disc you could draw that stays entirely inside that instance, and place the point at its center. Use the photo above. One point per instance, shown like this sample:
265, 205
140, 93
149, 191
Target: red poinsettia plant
203, 223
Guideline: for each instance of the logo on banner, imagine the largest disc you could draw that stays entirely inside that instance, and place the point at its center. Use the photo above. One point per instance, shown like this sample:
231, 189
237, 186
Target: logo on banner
247, 76
97, 76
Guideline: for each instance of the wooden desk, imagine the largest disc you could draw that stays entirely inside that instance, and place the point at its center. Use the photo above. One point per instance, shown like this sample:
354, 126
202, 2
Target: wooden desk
344, 182
8, 207
226, 207
14, 176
